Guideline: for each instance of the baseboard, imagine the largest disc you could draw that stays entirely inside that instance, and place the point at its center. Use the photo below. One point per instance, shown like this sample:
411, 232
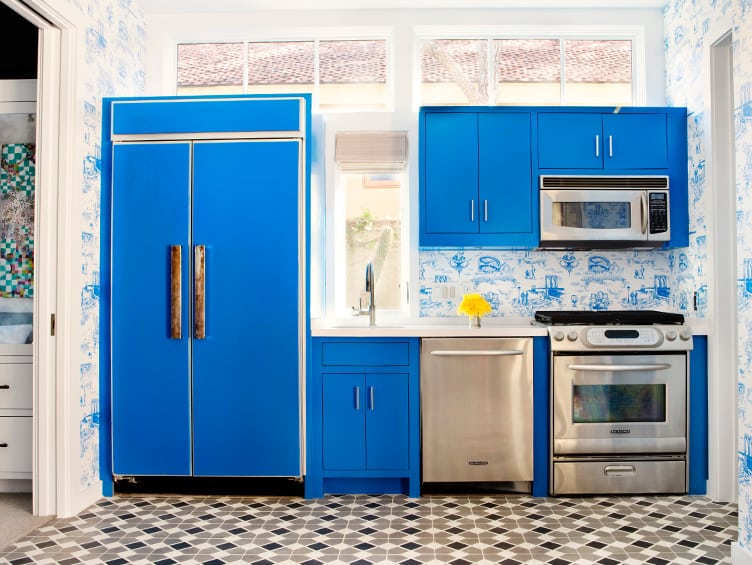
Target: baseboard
740, 555
15, 485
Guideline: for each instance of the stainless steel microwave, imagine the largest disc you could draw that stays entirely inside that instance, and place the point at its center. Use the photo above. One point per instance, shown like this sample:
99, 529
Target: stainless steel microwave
604, 211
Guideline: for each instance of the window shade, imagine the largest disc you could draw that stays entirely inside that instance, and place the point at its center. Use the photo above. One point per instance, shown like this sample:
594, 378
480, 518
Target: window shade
380, 151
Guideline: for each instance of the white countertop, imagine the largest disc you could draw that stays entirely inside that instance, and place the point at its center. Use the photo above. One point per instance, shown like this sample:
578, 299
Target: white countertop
433, 327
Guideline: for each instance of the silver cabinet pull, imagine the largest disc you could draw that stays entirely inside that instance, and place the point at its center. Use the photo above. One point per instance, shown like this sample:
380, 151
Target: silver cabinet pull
610, 145
597, 145
472, 210
357, 397
619, 470
199, 292
485, 210
463, 353
622, 368
370, 397
176, 292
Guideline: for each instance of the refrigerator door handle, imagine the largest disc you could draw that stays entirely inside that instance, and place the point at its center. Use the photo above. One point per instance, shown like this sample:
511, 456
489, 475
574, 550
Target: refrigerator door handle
176, 290
199, 291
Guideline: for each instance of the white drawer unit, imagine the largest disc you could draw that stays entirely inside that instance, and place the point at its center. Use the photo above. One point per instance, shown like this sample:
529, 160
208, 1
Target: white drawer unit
16, 382
15, 447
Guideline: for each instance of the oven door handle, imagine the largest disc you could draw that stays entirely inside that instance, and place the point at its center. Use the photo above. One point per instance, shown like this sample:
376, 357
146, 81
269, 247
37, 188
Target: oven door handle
621, 368
488, 352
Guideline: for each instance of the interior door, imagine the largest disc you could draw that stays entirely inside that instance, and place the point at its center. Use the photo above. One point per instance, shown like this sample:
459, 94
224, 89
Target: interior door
246, 417
151, 410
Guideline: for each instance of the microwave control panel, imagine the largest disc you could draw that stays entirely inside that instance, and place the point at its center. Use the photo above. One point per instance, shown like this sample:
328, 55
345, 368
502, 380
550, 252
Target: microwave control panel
658, 211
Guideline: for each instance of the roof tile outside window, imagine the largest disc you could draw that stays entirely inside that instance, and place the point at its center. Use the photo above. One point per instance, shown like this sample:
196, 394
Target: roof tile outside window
281, 62
210, 64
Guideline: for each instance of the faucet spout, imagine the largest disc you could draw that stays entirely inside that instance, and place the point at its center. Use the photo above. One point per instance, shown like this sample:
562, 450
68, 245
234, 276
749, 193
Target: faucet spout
371, 295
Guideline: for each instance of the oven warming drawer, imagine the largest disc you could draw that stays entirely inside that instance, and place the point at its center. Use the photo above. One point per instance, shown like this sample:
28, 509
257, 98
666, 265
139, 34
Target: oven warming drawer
614, 476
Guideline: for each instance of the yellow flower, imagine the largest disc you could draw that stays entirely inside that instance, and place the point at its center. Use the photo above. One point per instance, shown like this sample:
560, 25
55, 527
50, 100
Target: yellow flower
474, 304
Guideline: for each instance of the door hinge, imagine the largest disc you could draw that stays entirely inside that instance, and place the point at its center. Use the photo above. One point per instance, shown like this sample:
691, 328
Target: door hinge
52, 325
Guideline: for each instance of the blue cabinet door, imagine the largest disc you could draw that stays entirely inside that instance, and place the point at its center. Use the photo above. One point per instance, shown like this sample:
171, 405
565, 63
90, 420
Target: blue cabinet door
505, 175
570, 140
450, 198
151, 409
635, 141
246, 418
387, 425
343, 421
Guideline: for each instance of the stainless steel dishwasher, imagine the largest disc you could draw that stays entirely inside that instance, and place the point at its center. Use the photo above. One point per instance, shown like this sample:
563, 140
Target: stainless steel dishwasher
476, 409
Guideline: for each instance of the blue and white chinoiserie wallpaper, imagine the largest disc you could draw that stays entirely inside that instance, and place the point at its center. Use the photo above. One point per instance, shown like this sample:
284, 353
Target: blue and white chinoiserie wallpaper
687, 27
113, 66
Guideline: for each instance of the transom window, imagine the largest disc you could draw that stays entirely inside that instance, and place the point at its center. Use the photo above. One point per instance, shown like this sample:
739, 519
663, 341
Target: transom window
348, 74
497, 71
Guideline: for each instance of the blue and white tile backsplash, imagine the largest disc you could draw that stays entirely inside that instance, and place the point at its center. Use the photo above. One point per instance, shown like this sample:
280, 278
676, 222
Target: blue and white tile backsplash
517, 283
688, 25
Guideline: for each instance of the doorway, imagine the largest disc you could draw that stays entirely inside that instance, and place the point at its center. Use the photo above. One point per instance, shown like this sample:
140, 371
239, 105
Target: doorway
723, 355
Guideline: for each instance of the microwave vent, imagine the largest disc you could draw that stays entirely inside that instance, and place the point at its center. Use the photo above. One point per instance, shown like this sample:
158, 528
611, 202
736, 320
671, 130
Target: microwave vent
574, 182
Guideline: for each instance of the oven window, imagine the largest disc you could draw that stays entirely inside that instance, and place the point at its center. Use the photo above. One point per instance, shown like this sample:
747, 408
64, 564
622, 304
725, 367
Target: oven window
593, 404
592, 215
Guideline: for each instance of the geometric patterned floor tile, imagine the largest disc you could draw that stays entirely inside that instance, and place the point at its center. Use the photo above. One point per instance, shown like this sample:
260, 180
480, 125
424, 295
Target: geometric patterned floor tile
386, 529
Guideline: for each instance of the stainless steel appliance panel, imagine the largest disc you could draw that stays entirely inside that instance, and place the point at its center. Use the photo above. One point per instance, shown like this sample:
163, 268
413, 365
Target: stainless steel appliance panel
477, 409
653, 424
619, 477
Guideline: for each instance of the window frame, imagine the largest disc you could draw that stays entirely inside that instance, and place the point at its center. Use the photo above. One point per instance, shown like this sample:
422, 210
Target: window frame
316, 35
633, 33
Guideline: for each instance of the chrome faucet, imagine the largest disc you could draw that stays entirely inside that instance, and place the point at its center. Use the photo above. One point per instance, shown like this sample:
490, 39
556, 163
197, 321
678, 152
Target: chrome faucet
368, 295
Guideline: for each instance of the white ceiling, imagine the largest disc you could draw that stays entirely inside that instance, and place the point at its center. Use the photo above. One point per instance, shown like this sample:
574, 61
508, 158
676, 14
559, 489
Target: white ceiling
189, 6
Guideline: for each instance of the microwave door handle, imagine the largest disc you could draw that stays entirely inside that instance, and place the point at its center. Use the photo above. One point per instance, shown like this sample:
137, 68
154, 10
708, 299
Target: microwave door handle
621, 368
644, 212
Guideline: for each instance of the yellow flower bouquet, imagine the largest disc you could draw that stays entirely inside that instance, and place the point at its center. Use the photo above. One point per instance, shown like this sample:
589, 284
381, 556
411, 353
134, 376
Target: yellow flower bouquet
474, 306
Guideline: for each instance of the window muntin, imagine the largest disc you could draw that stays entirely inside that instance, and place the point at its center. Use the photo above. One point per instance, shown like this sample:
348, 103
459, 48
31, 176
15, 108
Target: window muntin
340, 74
554, 71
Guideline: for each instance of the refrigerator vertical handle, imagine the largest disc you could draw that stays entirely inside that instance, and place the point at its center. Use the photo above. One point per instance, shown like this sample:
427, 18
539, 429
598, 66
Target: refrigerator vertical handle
356, 393
371, 398
597, 145
176, 292
199, 291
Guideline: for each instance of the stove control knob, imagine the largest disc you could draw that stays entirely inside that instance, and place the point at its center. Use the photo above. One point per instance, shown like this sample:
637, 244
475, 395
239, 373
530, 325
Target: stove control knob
671, 335
572, 335
685, 334
558, 335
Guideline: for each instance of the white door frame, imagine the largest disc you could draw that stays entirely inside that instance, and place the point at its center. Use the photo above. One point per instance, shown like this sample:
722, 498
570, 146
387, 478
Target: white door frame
54, 451
723, 372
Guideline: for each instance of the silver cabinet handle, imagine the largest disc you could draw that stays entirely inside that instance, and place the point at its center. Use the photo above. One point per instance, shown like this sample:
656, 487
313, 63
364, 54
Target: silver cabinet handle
371, 397
176, 292
485, 210
644, 212
619, 470
489, 352
199, 292
597, 145
357, 397
622, 368
610, 145
472, 210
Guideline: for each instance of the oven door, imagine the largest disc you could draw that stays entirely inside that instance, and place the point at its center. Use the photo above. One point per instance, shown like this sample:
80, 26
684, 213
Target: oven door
568, 216
619, 403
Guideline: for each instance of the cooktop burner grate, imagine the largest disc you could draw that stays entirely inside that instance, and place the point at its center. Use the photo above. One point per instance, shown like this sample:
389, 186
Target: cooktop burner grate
617, 317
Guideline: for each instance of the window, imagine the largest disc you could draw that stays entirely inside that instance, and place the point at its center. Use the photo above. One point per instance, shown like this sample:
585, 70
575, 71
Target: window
497, 71
340, 74
370, 191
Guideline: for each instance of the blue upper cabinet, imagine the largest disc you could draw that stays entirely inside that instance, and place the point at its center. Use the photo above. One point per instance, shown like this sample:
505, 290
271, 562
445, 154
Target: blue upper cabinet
574, 140
476, 182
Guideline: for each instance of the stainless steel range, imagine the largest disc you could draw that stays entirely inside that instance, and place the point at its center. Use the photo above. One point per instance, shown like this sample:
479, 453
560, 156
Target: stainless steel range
618, 401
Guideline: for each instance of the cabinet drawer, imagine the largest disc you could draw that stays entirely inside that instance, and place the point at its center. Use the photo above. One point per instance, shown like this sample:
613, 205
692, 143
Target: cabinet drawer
15, 444
15, 386
354, 353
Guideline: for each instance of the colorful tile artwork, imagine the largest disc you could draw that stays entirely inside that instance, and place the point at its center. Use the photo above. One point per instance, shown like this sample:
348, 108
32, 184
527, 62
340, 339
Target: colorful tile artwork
17, 180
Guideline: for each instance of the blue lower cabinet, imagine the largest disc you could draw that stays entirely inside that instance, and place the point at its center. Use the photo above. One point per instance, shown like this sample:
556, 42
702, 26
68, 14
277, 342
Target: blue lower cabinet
363, 420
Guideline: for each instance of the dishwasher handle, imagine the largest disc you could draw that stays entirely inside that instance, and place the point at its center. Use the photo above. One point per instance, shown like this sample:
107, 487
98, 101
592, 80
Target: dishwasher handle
482, 353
